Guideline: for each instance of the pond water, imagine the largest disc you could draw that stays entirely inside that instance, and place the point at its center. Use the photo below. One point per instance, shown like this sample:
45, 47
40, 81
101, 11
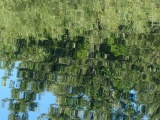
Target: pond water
80, 60
43, 100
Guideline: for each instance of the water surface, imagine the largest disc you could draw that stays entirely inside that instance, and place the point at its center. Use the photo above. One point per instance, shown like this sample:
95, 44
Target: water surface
80, 60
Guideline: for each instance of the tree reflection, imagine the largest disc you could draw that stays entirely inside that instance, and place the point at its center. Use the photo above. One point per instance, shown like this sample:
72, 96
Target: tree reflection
94, 74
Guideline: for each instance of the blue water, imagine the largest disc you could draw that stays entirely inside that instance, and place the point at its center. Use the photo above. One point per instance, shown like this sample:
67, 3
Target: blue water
43, 99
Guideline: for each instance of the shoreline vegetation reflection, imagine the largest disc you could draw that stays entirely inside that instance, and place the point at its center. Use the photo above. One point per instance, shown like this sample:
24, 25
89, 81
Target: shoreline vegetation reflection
90, 60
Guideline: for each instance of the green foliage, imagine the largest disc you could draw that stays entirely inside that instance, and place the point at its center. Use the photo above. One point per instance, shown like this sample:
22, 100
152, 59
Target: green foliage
81, 54
58, 43
118, 50
30, 18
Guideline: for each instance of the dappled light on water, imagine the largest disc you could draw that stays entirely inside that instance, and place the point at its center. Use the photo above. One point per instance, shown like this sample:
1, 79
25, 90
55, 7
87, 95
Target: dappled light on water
85, 60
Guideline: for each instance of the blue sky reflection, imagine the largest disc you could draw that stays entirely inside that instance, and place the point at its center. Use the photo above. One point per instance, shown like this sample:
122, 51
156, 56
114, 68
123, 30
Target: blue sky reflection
44, 99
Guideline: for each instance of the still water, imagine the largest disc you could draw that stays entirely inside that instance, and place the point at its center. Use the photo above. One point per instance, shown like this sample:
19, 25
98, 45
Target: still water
10, 81
80, 60
62, 85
